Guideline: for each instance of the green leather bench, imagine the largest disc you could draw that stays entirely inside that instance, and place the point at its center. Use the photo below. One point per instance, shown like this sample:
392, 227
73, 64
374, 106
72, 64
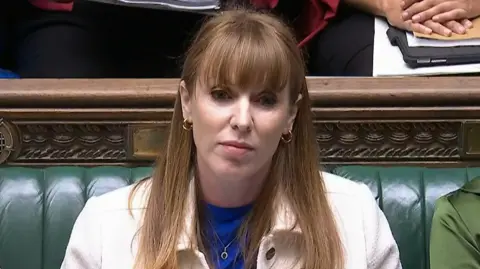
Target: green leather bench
39, 206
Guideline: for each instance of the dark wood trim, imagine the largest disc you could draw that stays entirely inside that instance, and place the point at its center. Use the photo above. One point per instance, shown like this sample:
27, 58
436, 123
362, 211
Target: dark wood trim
88, 93
324, 92
87, 114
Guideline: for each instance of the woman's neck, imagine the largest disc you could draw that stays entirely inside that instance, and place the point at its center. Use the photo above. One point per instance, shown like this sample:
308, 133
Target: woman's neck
229, 192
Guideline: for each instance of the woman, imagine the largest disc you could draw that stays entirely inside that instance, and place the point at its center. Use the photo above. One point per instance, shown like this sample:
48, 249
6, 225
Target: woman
238, 184
455, 235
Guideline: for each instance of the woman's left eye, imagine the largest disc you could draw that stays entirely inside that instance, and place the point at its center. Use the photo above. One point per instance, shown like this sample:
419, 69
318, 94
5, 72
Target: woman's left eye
268, 100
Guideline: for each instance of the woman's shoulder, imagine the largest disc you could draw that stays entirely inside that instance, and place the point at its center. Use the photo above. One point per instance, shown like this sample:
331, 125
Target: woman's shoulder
337, 185
472, 187
129, 197
461, 203
107, 222
470, 191
345, 195
361, 223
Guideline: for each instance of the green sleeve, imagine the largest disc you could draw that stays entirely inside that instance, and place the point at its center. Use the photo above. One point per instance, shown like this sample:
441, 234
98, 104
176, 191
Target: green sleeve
452, 246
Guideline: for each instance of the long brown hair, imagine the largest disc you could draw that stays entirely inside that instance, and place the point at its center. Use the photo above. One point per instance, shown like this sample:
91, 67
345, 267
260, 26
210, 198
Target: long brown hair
243, 48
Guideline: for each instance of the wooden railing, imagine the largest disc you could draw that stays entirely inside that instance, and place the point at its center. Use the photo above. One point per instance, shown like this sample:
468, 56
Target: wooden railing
358, 120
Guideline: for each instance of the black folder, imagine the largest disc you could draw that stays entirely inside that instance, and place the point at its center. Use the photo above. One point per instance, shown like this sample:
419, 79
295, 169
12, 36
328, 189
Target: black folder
432, 56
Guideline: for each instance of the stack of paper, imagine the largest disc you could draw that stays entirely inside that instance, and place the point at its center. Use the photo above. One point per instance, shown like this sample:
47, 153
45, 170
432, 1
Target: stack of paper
414, 41
180, 5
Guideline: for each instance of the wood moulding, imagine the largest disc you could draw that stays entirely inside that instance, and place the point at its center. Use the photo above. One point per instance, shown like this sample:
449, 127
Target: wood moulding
358, 120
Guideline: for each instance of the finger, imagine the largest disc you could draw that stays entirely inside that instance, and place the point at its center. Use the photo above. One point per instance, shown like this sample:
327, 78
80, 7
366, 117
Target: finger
407, 26
450, 15
420, 28
456, 27
431, 12
438, 28
407, 3
467, 23
416, 8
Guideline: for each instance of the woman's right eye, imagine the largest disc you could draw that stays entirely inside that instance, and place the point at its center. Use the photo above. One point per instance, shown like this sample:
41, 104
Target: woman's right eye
220, 95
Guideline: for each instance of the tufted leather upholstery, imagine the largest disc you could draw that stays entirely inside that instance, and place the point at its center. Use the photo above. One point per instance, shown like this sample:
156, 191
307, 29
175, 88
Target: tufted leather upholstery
39, 206
407, 196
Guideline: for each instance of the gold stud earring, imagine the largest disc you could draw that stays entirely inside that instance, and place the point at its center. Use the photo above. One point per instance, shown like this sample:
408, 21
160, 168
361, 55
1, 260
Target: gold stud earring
287, 138
187, 125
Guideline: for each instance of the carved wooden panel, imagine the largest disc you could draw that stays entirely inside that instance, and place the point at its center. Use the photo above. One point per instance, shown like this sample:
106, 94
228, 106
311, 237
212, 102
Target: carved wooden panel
389, 141
137, 142
64, 142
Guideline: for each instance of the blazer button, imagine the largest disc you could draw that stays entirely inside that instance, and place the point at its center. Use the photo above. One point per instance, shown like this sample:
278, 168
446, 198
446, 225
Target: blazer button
270, 254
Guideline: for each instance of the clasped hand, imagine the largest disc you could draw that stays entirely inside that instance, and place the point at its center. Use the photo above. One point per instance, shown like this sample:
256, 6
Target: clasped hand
443, 17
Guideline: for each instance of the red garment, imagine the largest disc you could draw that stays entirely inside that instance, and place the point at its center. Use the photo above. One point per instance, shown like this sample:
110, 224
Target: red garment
52, 5
314, 17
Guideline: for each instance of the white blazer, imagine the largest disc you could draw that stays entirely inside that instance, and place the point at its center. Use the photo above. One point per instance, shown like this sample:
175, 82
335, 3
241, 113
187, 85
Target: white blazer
103, 236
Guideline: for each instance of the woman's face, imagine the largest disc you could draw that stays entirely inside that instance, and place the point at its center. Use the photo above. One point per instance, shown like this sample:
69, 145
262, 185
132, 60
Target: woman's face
236, 131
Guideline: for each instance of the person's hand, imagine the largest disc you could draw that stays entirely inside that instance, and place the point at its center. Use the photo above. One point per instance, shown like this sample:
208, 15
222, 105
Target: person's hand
443, 11
393, 10
446, 28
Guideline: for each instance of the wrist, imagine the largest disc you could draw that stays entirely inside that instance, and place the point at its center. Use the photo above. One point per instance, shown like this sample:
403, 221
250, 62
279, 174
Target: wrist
383, 7
475, 9
374, 7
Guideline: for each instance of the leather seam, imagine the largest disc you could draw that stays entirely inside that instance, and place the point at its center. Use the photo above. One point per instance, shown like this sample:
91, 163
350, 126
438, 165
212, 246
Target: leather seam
43, 216
424, 217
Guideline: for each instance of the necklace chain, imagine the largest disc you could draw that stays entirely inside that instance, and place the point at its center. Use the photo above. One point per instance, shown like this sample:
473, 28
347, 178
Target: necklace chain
224, 254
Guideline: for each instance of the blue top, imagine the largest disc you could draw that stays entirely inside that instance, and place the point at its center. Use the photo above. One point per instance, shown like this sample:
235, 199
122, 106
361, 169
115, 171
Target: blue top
225, 222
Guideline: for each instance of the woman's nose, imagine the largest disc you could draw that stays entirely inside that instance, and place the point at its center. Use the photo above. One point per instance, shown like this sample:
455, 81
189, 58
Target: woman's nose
242, 116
